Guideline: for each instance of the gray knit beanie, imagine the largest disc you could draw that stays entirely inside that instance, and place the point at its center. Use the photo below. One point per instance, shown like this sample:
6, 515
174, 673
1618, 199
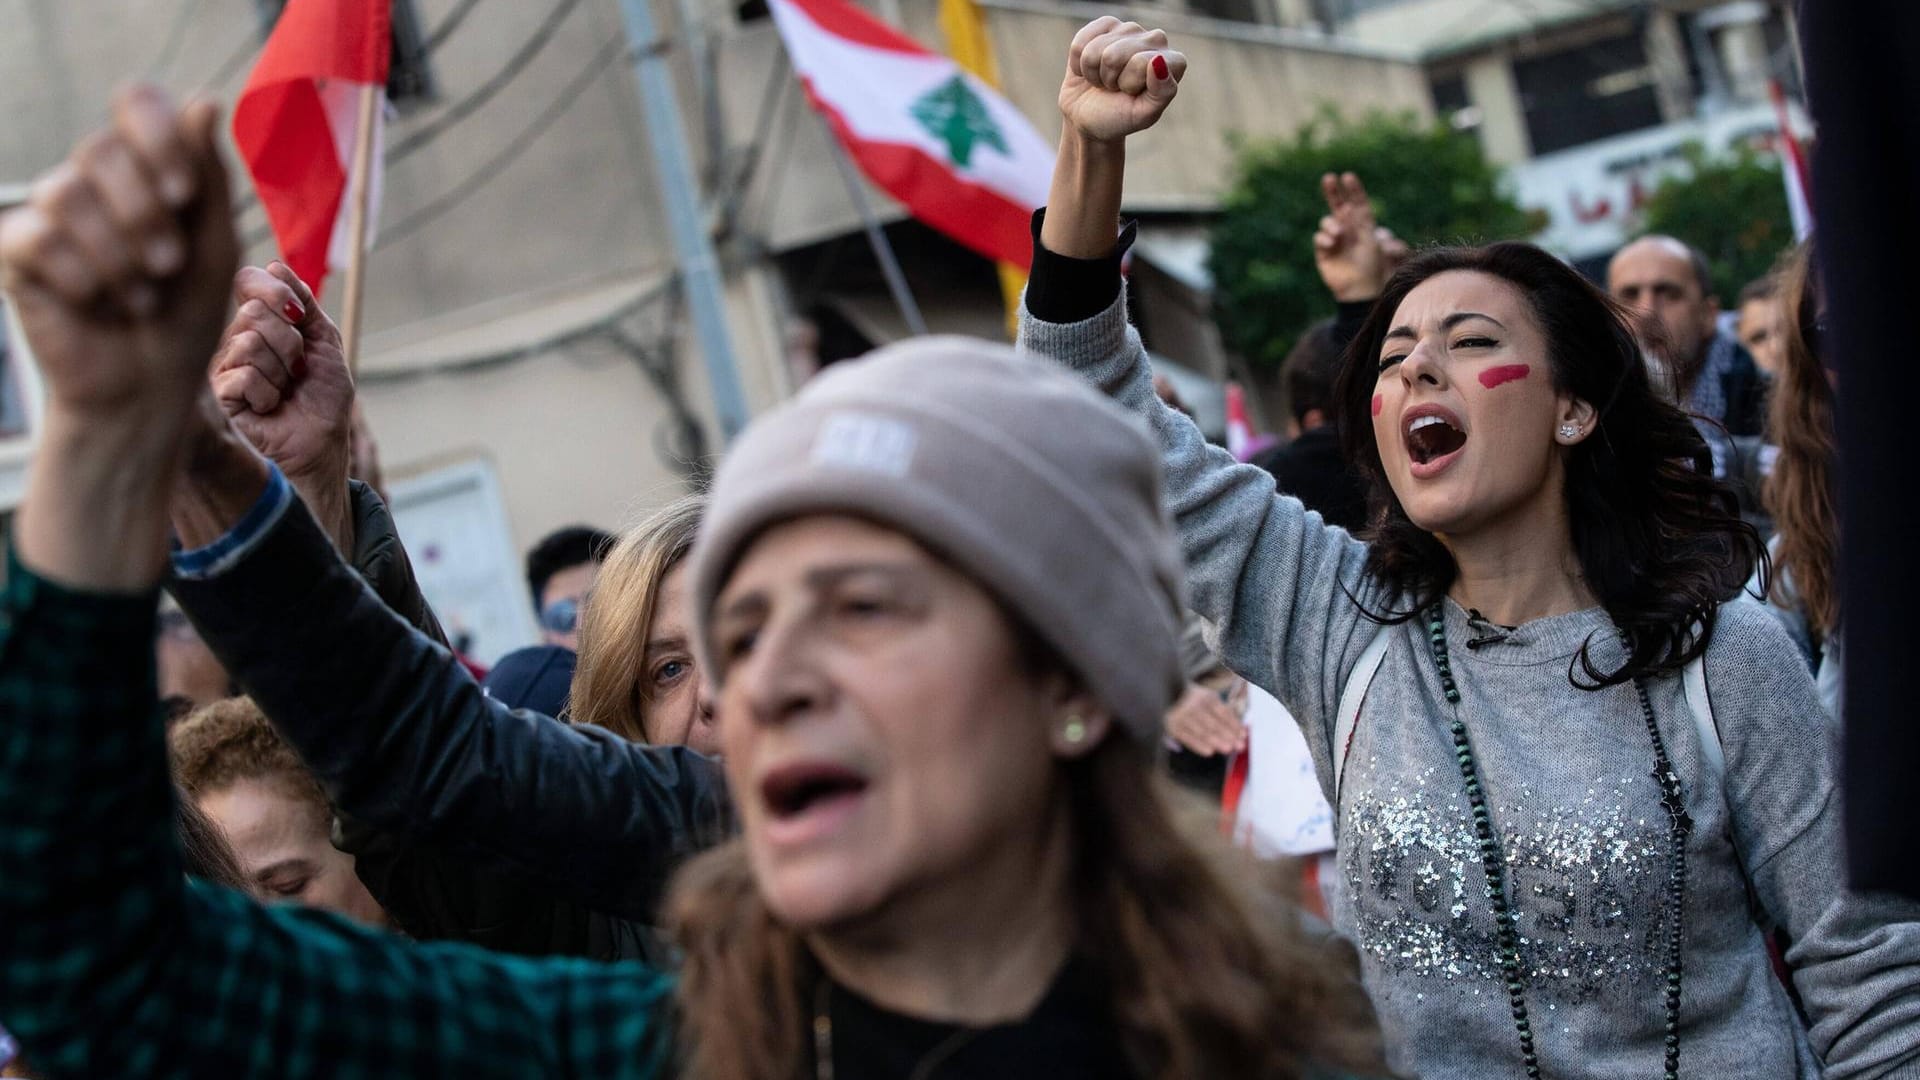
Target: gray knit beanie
1023, 477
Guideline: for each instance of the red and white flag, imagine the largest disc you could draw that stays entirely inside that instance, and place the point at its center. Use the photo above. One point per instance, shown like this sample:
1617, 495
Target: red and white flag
1239, 428
953, 151
1793, 166
297, 122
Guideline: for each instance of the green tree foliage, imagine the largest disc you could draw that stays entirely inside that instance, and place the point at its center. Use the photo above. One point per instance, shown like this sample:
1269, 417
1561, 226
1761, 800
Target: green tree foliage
1429, 184
1732, 206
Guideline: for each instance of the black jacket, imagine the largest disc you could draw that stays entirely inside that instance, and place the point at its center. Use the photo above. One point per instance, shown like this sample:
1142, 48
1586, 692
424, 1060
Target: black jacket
468, 820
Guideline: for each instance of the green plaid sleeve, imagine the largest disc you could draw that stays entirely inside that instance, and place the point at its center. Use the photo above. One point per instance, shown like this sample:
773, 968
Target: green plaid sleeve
115, 965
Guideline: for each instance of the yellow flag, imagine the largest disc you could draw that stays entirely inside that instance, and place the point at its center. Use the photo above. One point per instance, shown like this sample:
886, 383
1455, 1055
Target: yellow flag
972, 48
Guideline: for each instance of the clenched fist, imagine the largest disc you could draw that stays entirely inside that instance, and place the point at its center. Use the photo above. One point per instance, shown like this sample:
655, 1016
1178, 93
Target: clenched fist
1120, 78
281, 374
119, 261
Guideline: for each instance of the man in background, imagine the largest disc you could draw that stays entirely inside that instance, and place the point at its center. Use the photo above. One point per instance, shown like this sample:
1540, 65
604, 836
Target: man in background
560, 570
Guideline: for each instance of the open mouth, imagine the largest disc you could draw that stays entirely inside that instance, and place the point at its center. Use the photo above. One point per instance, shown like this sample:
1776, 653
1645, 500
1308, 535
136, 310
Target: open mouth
1432, 435
795, 790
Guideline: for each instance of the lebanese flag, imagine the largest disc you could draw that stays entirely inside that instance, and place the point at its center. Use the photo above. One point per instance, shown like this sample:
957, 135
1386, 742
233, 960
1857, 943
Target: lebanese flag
297, 120
1793, 166
943, 143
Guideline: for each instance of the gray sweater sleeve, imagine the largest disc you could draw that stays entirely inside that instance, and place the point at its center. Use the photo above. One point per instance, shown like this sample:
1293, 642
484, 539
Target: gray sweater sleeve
1279, 583
1855, 956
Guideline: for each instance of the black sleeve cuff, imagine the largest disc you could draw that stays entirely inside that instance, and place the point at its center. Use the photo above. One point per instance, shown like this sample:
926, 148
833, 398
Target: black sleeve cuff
1063, 289
1351, 316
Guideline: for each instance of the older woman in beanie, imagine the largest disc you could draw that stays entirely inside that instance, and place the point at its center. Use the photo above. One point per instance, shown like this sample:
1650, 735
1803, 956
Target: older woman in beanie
938, 719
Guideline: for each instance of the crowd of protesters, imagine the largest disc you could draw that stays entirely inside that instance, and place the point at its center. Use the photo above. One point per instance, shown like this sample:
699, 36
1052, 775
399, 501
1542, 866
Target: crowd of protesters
856, 763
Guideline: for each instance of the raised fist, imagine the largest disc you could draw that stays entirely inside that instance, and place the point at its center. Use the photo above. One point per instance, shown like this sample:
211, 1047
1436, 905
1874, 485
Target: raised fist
281, 375
1120, 78
119, 261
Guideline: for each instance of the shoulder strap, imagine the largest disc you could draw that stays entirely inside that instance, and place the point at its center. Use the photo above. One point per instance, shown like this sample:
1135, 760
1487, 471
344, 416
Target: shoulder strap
1712, 755
1351, 697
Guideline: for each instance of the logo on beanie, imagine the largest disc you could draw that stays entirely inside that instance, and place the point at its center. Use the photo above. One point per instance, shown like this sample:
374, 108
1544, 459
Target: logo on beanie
866, 442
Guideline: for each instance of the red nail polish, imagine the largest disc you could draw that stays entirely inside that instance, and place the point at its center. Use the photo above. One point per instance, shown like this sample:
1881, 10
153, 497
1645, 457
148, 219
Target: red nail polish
293, 311
1160, 67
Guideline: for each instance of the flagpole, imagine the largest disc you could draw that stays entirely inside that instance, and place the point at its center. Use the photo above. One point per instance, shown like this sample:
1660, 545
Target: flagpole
360, 184
877, 239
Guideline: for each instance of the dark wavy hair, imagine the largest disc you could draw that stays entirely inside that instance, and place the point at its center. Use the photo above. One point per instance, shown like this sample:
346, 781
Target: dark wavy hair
1659, 541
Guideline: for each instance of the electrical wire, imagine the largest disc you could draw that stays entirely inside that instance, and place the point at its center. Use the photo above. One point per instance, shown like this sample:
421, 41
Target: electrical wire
598, 328
487, 172
176, 37
447, 26
485, 92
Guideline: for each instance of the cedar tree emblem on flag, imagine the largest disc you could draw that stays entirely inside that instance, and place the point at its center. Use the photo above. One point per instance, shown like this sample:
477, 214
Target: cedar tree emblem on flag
955, 115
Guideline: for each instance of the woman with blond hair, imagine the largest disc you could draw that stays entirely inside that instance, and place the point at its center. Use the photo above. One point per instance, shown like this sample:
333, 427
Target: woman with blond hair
636, 674
636, 677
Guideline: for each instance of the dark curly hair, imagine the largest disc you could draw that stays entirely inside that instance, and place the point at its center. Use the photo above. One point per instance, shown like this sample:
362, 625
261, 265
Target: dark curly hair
1660, 542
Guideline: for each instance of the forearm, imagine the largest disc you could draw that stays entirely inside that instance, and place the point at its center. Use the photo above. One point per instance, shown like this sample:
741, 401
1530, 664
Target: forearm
1083, 205
95, 514
404, 740
92, 875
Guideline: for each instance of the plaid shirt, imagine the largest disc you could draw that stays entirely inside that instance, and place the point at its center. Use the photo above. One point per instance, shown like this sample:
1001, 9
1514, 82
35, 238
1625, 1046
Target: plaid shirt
113, 964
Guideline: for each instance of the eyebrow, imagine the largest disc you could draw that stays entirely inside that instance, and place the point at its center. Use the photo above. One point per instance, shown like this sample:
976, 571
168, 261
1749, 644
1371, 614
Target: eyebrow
272, 868
1447, 323
820, 580
665, 643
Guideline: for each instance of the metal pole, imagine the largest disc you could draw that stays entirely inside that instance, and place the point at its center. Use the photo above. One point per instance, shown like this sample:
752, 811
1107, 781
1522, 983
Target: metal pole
354, 311
882, 250
699, 269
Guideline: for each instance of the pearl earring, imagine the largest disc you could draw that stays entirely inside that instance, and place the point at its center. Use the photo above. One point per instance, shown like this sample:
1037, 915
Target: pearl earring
1075, 731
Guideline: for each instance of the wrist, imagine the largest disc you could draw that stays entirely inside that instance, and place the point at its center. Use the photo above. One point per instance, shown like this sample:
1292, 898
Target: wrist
1083, 207
95, 514
322, 487
224, 478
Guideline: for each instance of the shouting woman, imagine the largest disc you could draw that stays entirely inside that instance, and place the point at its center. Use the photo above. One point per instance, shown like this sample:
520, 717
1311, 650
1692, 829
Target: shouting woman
1575, 781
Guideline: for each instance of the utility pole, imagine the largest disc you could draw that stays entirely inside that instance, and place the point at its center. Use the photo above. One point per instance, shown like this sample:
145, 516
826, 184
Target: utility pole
699, 268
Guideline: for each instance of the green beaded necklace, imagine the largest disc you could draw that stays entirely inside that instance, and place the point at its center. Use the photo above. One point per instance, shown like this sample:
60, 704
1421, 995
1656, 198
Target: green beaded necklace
1507, 936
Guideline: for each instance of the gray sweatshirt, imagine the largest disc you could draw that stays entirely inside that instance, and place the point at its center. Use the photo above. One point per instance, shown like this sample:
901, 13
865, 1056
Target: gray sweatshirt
1567, 776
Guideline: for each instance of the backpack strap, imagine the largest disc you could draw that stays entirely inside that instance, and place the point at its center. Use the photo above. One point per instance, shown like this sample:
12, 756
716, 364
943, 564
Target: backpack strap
1351, 698
1712, 755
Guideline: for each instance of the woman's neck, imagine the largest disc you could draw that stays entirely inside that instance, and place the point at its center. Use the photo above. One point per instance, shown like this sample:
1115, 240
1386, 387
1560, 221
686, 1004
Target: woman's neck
1520, 569
977, 949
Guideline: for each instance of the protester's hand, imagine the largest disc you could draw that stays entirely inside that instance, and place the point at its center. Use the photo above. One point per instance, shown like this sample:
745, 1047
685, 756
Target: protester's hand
118, 267
1350, 249
1120, 78
118, 264
281, 375
1205, 723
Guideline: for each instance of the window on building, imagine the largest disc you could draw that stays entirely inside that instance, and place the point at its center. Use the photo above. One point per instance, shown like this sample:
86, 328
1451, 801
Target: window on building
1452, 105
1598, 90
409, 75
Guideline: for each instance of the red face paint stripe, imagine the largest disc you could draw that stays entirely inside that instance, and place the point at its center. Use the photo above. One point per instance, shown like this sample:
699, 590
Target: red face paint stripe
1376, 404
1505, 373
